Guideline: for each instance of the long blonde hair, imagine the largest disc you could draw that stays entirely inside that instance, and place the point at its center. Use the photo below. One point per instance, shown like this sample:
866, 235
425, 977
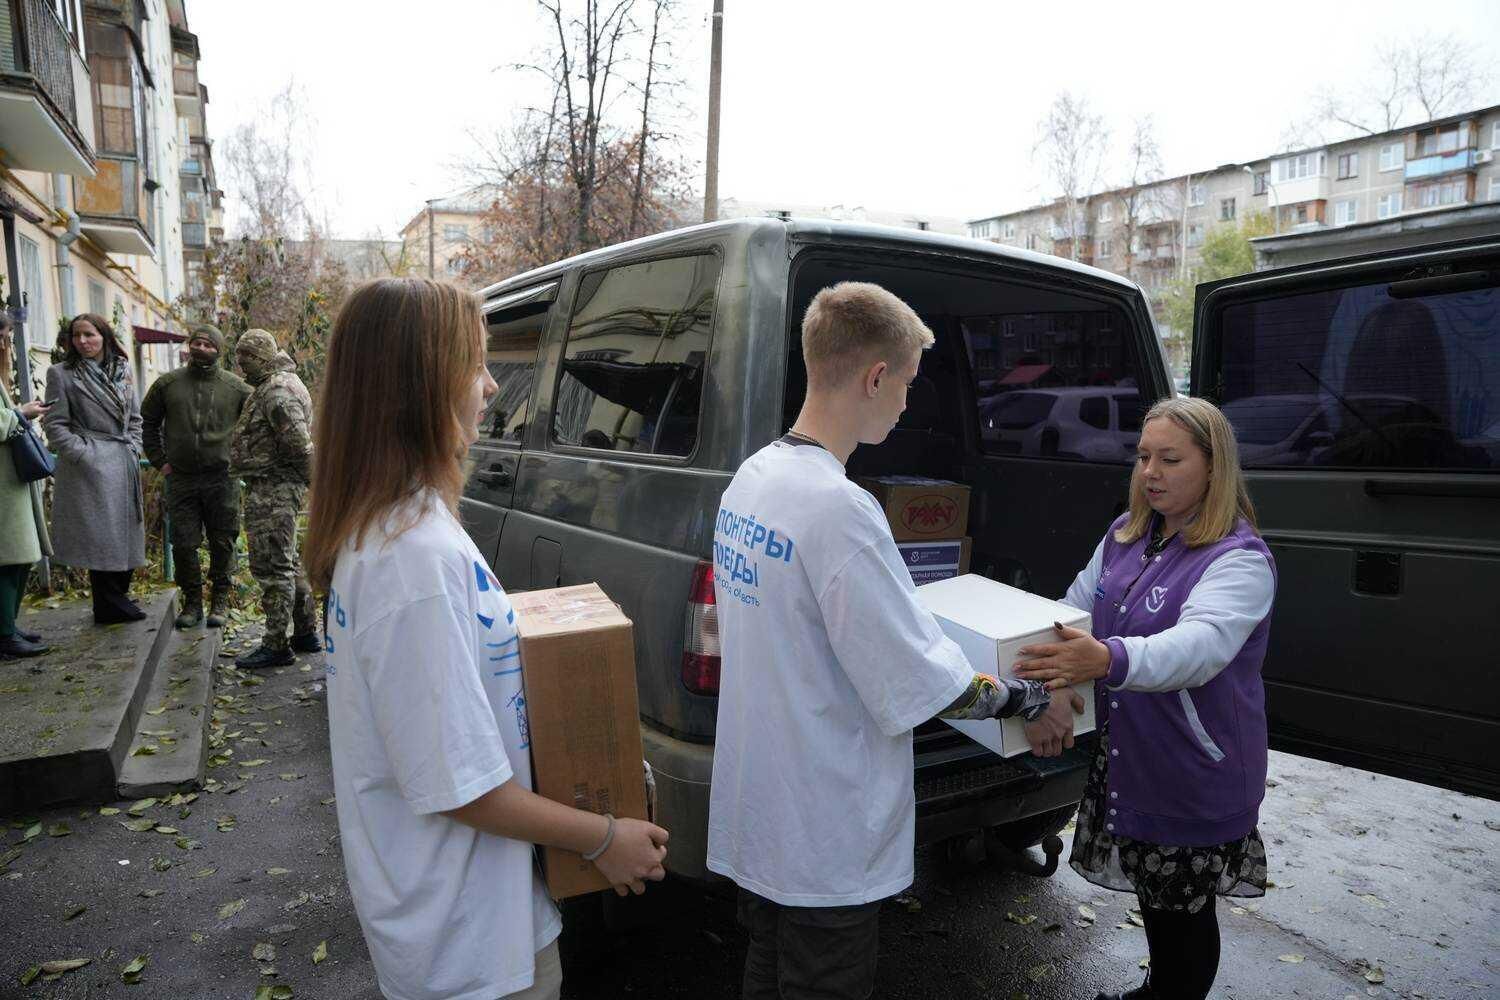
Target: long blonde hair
7, 354
402, 355
1227, 499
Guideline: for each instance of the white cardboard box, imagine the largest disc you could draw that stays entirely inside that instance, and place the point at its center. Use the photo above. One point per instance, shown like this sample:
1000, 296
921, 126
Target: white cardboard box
990, 622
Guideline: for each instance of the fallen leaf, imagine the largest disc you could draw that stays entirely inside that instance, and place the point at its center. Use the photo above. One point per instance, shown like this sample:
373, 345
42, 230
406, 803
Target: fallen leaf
1022, 920
278, 871
139, 809
1372, 899
320, 952
139, 825
1238, 911
1376, 975
197, 937
264, 951
158, 710
186, 844
291, 777
328, 801
204, 872
225, 822
302, 899
59, 830
1144, 963
161, 864
131, 973
1087, 912
30, 974
9, 856
57, 968
145, 750
1039, 972
909, 903
1293, 958
76, 911
169, 831
230, 908
149, 893
254, 763
108, 811
1135, 918
32, 832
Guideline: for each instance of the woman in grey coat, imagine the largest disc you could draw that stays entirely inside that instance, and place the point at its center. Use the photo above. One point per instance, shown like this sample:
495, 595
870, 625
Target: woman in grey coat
94, 426
23, 531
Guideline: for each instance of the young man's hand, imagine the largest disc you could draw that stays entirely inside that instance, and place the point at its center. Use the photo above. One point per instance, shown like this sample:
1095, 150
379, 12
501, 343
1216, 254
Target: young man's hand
1053, 731
634, 856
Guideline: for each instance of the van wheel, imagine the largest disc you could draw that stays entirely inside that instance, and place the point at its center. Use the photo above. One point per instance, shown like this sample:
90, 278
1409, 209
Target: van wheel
1032, 830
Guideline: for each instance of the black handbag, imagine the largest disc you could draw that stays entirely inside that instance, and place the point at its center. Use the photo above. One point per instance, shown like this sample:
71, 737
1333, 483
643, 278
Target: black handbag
33, 460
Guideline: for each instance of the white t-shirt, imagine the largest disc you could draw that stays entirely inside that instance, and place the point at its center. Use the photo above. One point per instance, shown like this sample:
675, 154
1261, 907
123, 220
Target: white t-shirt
426, 713
828, 664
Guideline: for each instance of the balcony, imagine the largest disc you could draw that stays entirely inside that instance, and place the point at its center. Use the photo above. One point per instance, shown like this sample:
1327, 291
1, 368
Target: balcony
46, 105
112, 207
194, 235
1440, 164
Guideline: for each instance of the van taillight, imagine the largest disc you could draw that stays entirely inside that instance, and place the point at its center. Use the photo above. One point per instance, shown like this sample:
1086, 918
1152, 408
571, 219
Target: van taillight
700, 647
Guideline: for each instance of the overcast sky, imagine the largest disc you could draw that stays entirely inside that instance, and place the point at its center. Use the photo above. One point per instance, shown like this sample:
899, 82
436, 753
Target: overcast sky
926, 107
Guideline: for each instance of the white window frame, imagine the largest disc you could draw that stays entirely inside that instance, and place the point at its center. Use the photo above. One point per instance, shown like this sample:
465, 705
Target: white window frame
1353, 158
449, 228
1230, 202
981, 230
1106, 212
1197, 195
1383, 209
1195, 234
1392, 156
1343, 218
1495, 134
1106, 247
1301, 166
1007, 230
1495, 188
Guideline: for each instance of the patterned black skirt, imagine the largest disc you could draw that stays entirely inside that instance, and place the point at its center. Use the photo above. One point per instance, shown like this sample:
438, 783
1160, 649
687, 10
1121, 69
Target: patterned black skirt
1164, 877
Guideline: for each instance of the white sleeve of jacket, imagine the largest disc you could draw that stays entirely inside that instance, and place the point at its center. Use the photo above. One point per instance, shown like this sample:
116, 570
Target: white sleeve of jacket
1081, 594
1231, 598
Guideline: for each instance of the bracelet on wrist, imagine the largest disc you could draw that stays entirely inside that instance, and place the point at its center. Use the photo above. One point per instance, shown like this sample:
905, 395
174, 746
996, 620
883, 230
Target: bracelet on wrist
609, 838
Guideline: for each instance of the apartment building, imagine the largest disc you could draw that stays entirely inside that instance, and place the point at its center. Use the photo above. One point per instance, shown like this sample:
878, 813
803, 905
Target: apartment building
100, 111
1433, 181
437, 238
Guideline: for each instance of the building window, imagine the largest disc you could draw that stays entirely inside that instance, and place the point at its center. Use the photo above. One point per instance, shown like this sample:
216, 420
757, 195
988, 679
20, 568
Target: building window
1495, 135
922, 224
1454, 192
1495, 188
96, 298
1195, 235
1106, 212
1031, 241
1345, 212
1295, 168
1226, 209
455, 234
1196, 195
1007, 230
457, 266
33, 296
1348, 166
1392, 157
1259, 184
1389, 205
1106, 248
981, 230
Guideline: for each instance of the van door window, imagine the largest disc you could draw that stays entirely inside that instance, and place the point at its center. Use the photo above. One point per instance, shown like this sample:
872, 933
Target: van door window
633, 365
512, 337
1049, 380
1356, 378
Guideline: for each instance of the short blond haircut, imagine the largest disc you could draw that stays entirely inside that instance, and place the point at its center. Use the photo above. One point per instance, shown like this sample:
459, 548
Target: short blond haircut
854, 324
1227, 499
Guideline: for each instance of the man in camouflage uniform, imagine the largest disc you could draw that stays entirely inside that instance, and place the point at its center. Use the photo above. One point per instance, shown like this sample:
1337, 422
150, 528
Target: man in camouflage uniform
272, 452
186, 419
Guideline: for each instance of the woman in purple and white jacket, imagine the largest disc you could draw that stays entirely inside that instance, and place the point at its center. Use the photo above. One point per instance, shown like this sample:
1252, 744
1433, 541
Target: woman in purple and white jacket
1180, 589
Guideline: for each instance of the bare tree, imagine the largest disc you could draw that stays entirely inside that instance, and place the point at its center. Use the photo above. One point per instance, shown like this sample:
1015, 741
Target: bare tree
1143, 168
267, 170
1427, 74
1072, 139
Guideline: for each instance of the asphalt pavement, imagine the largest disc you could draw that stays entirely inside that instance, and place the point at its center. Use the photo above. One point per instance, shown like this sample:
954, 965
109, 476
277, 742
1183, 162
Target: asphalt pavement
1383, 888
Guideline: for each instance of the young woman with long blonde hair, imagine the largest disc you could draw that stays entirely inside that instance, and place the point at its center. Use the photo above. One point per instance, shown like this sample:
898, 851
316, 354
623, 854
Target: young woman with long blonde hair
427, 721
1180, 590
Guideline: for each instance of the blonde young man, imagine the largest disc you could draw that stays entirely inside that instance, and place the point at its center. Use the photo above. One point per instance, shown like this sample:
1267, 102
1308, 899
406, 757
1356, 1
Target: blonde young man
828, 664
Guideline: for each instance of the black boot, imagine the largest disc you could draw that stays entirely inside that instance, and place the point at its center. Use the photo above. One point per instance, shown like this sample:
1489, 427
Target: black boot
309, 643
16, 646
192, 612
29, 636
218, 608
264, 657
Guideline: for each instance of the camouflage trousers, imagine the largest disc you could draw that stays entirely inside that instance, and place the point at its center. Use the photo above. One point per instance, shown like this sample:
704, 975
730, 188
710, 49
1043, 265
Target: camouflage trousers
198, 504
271, 509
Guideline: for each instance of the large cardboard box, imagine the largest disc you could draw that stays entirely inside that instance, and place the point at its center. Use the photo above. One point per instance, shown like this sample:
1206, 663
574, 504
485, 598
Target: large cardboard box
578, 664
921, 509
929, 562
991, 622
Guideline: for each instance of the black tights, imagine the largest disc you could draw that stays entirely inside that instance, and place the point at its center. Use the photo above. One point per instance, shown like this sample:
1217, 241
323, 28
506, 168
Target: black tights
1184, 951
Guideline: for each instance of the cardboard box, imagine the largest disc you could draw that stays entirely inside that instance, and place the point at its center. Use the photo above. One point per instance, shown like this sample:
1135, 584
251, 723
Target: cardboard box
929, 562
990, 622
578, 664
921, 509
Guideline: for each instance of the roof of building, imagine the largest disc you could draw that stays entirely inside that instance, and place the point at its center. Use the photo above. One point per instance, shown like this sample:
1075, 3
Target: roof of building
470, 201
737, 208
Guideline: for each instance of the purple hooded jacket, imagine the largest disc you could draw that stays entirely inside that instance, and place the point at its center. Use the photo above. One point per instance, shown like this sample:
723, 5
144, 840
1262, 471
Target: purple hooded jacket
1186, 767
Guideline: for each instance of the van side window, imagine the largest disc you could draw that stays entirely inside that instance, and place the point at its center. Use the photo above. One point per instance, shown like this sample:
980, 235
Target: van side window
512, 337
633, 365
1355, 378
1057, 378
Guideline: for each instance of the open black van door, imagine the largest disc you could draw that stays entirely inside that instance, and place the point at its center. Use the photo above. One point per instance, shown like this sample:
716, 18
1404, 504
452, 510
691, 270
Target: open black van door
1365, 396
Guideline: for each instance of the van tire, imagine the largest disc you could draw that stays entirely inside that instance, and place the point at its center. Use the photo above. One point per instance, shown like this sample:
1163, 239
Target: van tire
1032, 830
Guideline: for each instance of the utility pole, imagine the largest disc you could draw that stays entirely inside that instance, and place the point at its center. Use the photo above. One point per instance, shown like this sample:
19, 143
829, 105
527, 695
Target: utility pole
715, 71
430, 238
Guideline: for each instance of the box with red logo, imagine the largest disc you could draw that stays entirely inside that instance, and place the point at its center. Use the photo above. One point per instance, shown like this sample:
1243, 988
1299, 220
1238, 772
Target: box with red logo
921, 509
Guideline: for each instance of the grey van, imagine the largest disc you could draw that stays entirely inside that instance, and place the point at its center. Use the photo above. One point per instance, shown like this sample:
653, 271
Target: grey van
636, 378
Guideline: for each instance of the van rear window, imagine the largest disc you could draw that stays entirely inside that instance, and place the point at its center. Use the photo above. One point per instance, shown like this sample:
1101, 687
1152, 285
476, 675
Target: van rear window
1356, 378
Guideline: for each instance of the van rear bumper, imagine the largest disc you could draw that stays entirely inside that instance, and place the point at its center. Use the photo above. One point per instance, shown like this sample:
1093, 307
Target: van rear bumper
958, 791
